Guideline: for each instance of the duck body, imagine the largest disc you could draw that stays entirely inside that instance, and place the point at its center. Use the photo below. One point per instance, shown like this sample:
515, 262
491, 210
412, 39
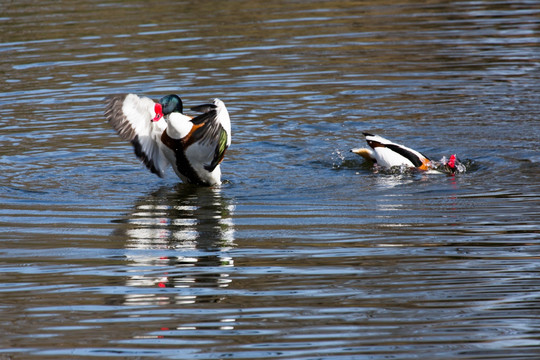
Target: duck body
162, 135
388, 154
196, 146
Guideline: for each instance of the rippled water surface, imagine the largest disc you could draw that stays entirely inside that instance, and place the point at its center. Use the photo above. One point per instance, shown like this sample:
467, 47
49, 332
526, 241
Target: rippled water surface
305, 252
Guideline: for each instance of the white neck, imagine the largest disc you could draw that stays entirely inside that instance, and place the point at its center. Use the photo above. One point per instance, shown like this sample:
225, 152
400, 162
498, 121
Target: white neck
179, 125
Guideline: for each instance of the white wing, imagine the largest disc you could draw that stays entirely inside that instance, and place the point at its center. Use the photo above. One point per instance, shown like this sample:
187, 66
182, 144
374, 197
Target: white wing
211, 137
131, 116
223, 118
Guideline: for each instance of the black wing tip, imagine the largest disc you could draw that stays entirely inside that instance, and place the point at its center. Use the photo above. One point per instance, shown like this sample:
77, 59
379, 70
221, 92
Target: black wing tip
113, 101
204, 108
114, 97
365, 133
116, 118
137, 148
215, 163
199, 119
211, 167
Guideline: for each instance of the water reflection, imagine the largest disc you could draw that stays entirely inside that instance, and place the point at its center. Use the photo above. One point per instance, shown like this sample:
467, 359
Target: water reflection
178, 241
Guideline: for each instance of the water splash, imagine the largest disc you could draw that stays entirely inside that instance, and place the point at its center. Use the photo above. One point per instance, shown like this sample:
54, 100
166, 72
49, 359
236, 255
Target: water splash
338, 159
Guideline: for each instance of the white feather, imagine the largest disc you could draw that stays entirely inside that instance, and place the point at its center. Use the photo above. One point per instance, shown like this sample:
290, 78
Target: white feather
179, 125
388, 158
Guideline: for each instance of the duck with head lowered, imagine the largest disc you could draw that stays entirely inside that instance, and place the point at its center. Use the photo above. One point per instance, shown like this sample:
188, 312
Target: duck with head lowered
387, 154
162, 135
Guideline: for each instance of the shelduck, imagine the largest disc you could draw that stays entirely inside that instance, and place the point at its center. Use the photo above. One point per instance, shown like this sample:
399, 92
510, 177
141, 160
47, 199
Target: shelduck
388, 154
162, 135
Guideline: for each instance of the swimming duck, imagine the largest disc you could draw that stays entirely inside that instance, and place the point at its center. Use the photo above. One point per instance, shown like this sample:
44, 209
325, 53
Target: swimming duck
162, 135
387, 154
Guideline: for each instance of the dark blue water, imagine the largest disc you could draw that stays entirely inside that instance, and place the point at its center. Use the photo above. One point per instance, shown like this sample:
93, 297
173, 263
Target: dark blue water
305, 252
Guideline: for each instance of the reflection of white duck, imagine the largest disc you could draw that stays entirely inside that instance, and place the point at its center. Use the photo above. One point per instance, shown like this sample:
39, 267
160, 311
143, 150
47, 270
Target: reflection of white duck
161, 135
179, 238
387, 154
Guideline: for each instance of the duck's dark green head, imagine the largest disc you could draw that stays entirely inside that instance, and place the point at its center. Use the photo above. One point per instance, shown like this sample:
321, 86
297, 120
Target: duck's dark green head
171, 103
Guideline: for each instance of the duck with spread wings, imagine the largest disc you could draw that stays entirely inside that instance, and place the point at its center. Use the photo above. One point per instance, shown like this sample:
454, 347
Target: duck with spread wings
162, 135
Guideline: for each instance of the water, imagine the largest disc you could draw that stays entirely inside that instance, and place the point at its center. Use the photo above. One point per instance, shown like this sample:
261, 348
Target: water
305, 252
